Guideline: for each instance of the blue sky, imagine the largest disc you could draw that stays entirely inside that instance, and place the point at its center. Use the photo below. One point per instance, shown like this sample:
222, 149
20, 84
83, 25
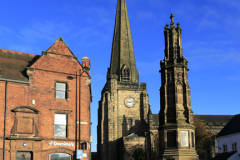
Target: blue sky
210, 40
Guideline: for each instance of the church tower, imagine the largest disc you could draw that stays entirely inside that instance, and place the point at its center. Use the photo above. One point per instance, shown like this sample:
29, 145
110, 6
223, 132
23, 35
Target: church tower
123, 108
176, 129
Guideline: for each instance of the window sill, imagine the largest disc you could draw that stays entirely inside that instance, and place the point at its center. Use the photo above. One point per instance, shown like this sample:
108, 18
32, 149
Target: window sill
61, 111
61, 138
60, 99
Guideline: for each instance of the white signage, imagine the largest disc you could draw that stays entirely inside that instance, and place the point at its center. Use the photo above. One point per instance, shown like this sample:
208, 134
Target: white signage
60, 144
184, 138
84, 154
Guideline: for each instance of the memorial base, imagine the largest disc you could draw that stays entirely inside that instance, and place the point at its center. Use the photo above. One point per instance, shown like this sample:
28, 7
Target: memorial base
178, 154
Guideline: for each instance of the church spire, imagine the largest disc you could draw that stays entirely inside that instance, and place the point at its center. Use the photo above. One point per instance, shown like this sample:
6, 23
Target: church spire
122, 66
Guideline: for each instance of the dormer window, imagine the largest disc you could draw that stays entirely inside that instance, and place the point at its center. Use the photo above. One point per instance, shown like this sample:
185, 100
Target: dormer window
125, 75
176, 50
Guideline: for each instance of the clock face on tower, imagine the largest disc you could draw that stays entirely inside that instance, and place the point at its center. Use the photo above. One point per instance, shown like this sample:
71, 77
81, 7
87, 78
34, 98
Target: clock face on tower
129, 102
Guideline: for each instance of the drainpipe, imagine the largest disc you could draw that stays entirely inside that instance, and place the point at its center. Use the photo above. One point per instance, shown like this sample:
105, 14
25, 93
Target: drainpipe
79, 107
76, 136
5, 118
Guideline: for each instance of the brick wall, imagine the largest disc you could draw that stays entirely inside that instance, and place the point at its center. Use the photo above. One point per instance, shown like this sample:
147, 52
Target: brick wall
43, 74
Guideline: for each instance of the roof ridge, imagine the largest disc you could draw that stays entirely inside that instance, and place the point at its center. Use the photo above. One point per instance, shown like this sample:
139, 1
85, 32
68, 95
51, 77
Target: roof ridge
16, 52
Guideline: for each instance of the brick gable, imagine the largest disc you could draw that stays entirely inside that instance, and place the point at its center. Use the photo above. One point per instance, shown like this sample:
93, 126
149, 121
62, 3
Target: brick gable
60, 47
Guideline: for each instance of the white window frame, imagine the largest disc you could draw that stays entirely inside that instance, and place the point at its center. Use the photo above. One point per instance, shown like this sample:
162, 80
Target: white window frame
61, 91
60, 123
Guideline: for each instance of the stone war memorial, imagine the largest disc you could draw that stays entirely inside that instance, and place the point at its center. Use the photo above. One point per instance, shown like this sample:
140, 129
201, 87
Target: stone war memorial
176, 129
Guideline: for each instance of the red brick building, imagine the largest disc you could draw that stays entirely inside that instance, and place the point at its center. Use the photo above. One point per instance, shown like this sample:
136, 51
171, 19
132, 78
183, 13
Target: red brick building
39, 102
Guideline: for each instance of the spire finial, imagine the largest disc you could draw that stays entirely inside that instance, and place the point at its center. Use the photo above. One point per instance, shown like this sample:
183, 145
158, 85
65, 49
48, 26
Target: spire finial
60, 39
166, 26
172, 21
172, 15
178, 24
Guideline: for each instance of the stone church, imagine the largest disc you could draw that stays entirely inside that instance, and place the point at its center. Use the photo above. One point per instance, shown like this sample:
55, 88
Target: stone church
124, 107
125, 120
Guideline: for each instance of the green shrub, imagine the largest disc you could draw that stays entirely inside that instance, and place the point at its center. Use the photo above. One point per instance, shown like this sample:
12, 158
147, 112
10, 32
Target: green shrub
139, 154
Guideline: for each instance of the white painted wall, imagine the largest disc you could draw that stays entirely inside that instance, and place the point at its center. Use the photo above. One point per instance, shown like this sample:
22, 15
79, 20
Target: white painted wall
228, 140
234, 157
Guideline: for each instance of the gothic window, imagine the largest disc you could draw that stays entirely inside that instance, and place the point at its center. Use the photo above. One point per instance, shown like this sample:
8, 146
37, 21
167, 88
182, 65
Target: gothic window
176, 50
130, 123
125, 75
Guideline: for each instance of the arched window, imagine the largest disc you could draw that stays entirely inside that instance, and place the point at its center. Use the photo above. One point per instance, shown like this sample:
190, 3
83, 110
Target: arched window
130, 123
125, 75
59, 156
176, 50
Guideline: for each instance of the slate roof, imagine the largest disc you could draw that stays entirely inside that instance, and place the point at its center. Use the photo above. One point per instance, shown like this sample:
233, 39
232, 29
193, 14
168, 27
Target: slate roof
215, 120
231, 127
13, 64
209, 120
224, 156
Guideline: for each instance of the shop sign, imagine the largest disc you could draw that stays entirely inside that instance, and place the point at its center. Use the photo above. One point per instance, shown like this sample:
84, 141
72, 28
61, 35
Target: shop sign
79, 154
60, 144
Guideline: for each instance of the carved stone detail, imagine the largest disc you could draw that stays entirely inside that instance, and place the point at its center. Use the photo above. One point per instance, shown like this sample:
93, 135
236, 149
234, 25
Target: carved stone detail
179, 78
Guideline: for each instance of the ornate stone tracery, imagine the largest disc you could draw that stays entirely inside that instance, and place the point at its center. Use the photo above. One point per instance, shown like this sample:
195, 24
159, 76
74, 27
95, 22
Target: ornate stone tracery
175, 101
179, 78
125, 74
